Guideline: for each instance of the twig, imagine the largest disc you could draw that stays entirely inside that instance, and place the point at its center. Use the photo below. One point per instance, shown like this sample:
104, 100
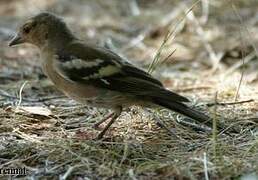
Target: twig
138, 40
135, 10
162, 125
26, 137
237, 65
20, 94
131, 174
229, 103
205, 11
193, 88
205, 166
254, 119
242, 58
167, 58
125, 154
69, 171
49, 98
241, 77
5, 94
167, 37
249, 57
214, 126
195, 127
251, 39
215, 58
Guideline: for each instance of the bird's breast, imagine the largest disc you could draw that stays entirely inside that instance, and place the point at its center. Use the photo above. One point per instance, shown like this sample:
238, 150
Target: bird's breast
77, 91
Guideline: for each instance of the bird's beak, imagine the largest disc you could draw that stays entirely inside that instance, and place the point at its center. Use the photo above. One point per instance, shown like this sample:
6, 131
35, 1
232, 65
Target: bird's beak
16, 40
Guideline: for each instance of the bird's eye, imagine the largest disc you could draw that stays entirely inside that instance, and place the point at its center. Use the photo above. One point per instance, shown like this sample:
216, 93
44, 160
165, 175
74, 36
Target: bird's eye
26, 29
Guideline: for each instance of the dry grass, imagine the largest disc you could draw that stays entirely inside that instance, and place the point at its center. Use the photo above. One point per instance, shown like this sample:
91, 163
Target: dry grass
209, 45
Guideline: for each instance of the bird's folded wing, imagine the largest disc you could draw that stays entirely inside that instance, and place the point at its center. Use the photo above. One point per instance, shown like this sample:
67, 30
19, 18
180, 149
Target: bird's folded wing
106, 70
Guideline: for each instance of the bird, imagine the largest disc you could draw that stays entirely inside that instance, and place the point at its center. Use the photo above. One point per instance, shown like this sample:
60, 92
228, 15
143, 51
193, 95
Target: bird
94, 75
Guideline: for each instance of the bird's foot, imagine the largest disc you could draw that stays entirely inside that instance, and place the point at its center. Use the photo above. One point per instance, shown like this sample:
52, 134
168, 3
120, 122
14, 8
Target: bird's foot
97, 124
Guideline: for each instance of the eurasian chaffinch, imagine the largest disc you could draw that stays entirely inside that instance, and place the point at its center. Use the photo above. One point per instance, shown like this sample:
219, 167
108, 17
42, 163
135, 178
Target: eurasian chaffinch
94, 75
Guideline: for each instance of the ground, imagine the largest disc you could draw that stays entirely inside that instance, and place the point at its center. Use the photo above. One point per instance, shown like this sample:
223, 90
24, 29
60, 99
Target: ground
204, 50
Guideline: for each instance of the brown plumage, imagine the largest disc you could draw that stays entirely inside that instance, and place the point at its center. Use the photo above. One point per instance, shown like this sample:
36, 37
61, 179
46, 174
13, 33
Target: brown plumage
94, 75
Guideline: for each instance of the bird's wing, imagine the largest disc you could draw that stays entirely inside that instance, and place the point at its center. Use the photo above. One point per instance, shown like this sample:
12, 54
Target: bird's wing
104, 69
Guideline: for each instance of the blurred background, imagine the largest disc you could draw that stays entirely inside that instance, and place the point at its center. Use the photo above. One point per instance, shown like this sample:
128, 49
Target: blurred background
205, 44
199, 49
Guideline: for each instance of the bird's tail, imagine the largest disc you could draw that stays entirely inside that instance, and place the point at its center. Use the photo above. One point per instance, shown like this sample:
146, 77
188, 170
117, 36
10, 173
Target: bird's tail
184, 110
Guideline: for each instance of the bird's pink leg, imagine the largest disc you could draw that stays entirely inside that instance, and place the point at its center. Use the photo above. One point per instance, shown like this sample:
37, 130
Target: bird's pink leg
97, 124
116, 114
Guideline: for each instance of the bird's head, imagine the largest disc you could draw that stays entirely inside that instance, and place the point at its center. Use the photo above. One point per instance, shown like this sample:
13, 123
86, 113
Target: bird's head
41, 29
